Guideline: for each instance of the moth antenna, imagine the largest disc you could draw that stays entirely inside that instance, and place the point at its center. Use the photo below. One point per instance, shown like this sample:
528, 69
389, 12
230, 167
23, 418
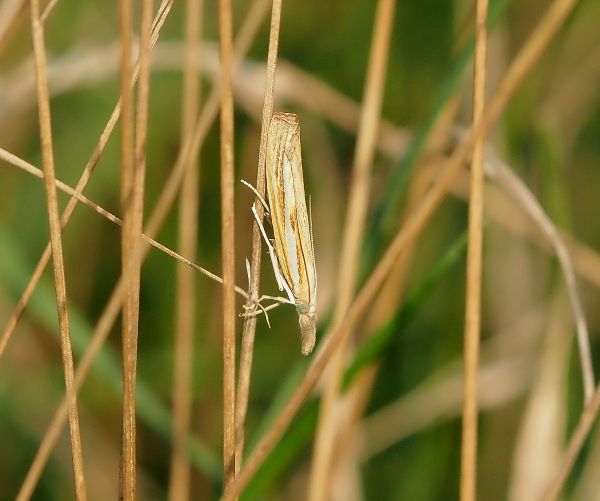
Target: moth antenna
252, 311
277, 299
266, 314
312, 238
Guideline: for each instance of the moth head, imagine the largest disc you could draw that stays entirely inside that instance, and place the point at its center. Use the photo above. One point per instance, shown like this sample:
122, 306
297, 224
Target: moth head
308, 331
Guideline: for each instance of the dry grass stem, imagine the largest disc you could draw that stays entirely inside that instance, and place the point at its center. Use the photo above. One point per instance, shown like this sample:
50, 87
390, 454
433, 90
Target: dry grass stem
227, 240
586, 484
586, 420
9, 15
18, 162
468, 477
133, 174
48, 10
246, 35
503, 175
585, 260
352, 241
56, 244
247, 347
579, 257
179, 481
525, 59
506, 178
129, 262
13, 321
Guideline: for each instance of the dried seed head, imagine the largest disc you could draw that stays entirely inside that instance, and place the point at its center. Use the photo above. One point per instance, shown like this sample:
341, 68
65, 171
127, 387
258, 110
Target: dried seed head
308, 332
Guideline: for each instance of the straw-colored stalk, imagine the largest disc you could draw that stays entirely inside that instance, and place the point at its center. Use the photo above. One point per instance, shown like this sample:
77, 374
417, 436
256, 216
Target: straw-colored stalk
227, 240
588, 417
179, 482
60, 286
249, 330
468, 477
133, 167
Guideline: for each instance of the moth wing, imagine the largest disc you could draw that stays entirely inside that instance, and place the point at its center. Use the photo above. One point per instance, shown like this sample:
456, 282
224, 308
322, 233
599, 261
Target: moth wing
274, 170
291, 226
306, 288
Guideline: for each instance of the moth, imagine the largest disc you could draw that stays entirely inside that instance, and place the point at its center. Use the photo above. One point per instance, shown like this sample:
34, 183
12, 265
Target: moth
292, 254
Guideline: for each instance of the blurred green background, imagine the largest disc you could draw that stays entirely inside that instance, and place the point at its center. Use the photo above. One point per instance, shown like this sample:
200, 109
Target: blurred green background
548, 135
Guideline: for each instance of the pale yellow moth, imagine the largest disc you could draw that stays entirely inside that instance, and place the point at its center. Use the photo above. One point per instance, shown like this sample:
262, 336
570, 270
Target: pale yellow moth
293, 256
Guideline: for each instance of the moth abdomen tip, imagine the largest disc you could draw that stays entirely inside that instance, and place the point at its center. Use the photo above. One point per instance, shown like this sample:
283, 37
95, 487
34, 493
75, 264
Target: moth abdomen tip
308, 333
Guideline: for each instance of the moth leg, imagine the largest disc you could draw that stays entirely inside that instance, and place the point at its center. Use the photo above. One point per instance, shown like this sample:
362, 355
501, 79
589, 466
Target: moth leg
258, 195
277, 299
262, 310
252, 311
281, 282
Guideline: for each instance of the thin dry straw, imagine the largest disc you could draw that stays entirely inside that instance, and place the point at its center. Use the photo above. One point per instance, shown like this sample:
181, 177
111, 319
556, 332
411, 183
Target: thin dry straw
13, 321
468, 476
22, 164
249, 330
227, 240
129, 262
133, 173
586, 420
39, 50
49, 7
247, 33
352, 240
529, 54
9, 15
179, 478
505, 177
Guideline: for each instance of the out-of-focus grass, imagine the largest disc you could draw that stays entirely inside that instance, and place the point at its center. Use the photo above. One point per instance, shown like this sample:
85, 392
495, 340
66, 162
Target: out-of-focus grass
331, 41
